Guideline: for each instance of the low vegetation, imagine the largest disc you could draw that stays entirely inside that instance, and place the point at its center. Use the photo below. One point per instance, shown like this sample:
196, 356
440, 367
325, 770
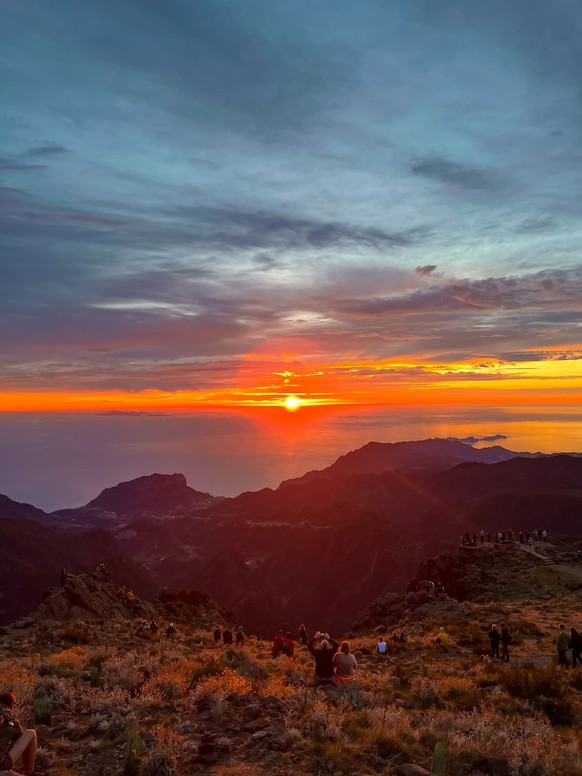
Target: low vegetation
154, 706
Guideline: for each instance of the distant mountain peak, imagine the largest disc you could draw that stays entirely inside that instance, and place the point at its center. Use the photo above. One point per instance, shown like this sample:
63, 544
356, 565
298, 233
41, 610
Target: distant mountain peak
429, 454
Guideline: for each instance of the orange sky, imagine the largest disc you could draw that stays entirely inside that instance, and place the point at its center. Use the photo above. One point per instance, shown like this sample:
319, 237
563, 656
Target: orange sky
259, 383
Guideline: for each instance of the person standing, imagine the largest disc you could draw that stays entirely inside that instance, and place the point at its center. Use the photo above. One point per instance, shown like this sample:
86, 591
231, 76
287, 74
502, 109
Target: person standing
505, 642
217, 633
576, 644
303, 639
494, 639
227, 637
562, 646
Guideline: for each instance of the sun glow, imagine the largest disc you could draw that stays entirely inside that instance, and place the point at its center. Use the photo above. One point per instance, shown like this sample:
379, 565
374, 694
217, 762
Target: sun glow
292, 403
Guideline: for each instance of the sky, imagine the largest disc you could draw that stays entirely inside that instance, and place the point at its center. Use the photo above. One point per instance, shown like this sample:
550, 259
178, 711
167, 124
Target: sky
226, 204
364, 208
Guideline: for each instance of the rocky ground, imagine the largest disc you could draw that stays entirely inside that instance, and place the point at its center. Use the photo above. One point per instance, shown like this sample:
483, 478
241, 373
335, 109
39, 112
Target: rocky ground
106, 701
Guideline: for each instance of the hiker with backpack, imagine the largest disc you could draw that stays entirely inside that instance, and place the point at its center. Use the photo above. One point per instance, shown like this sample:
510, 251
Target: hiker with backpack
323, 650
15, 742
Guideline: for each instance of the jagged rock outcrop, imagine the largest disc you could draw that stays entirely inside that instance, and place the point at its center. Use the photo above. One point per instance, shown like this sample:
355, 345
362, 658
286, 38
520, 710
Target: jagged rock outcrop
85, 597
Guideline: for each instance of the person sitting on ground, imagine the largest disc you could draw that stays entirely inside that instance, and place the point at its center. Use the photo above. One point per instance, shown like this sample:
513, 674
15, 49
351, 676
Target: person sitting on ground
143, 627
154, 627
288, 645
278, 644
239, 636
303, 639
171, 631
15, 743
441, 639
381, 646
395, 637
345, 664
402, 638
227, 637
562, 646
323, 650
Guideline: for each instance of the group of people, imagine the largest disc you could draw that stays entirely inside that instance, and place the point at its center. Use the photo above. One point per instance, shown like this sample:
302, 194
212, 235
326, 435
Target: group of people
227, 637
334, 663
152, 628
497, 636
502, 537
566, 642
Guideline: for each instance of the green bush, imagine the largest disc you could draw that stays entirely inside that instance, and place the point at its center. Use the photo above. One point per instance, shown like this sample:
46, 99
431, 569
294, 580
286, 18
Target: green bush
42, 710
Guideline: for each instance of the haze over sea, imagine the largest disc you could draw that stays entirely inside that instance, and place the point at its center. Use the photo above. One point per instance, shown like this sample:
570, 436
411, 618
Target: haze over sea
64, 460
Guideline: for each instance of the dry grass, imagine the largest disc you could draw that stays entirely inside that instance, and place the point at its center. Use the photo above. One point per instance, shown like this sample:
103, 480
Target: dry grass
151, 705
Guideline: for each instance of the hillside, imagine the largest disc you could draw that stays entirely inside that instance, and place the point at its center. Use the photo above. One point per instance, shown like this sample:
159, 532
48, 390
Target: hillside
102, 695
280, 557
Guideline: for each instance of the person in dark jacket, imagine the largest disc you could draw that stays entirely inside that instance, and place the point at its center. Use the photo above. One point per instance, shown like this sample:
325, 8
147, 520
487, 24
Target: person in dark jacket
505, 642
576, 644
562, 646
227, 637
494, 639
15, 743
303, 638
323, 650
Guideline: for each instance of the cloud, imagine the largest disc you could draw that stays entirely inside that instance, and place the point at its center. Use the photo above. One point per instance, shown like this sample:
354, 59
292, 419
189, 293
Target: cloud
464, 176
14, 165
47, 149
133, 413
471, 440
426, 270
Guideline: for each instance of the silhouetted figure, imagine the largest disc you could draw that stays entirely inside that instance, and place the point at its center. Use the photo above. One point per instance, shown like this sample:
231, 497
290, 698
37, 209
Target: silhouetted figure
239, 636
171, 631
482, 536
494, 639
15, 743
154, 627
227, 637
505, 642
489, 537
544, 535
576, 644
288, 645
521, 537
102, 573
303, 639
217, 633
562, 646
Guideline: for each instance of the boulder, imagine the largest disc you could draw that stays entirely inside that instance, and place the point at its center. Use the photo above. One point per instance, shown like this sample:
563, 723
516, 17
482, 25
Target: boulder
411, 769
493, 766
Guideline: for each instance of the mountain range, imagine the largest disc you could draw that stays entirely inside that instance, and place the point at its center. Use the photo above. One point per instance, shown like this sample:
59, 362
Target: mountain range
317, 549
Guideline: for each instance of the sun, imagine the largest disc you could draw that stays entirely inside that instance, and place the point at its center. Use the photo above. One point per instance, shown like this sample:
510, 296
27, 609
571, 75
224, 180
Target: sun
292, 403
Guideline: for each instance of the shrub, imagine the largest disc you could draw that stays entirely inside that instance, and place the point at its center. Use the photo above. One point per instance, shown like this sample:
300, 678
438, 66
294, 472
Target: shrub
42, 710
